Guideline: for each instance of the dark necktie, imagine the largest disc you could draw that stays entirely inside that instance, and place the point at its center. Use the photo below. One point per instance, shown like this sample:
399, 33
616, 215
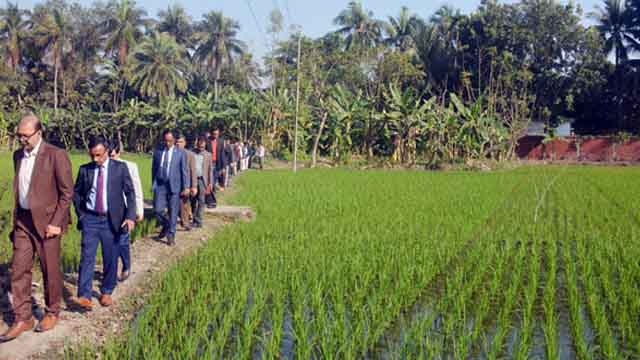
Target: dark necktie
165, 166
99, 208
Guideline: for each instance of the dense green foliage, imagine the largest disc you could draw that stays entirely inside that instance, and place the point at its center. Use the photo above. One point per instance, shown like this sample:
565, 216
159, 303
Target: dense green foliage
448, 88
71, 241
533, 262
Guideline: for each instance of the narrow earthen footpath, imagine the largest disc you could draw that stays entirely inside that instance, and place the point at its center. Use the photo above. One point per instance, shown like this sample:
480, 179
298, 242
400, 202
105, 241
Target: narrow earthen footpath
150, 258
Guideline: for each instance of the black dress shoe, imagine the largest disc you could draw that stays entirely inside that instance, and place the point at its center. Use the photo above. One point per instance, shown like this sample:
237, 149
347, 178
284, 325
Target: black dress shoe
197, 225
163, 234
172, 240
124, 276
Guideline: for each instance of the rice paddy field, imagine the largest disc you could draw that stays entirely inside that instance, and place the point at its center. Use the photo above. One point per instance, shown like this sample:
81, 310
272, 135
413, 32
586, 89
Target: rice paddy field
71, 240
539, 262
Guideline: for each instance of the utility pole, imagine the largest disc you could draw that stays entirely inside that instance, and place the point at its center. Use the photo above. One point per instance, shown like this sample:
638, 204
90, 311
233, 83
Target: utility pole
295, 140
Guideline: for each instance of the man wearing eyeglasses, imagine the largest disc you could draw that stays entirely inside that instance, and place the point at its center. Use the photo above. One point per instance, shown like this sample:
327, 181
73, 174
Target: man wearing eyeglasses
43, 191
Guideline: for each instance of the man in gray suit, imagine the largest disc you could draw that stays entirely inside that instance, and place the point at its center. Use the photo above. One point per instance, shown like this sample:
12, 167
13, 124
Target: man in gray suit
203, 167
169, 175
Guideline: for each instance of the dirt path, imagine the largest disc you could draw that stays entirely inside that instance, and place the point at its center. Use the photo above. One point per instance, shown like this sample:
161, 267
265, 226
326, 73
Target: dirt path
150, 257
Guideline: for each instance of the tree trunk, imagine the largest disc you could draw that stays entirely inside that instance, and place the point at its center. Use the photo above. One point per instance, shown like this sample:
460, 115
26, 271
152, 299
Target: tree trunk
119, 135
215, 81
64, 85
316, 141
274, 85
123, 49
55, 84
619, 108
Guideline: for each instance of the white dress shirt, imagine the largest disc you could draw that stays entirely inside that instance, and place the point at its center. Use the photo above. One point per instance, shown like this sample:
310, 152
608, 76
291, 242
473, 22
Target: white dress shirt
170, 154
137, 187
24, 177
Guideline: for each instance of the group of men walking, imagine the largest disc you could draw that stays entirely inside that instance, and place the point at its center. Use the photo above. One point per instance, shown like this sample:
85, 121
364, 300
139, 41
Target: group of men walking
108, 200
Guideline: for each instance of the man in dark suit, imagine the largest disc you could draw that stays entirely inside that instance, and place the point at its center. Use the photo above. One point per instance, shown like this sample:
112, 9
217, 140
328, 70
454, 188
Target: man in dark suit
43, 189
170, 178
216, 148
105, 200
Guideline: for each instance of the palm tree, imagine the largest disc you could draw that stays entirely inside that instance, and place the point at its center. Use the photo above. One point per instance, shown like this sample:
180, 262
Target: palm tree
86, 42
435, 60
358, 26
249, 71
217, 44
14, 23
634, 21
159, 66
447, 21
613, 23
176, 22
123, 28
401, 30
53, 33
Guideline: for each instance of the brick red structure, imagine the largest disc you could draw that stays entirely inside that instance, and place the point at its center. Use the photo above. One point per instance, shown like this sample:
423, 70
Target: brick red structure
590, 149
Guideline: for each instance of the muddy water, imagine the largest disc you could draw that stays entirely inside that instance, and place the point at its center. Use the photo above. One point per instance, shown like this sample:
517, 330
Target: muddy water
288, 342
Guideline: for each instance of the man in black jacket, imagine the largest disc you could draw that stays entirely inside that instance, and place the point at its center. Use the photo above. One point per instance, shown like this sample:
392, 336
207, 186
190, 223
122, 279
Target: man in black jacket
104, 199
216, 148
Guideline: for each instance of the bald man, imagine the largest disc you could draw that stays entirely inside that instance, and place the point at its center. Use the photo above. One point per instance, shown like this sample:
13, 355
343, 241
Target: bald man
43, 190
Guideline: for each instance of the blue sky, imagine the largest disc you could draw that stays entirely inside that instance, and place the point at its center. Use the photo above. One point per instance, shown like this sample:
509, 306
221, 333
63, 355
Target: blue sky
315, 16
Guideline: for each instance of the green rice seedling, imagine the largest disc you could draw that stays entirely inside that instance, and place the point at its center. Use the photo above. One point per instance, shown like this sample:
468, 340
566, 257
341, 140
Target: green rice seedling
577, 324
530, 294
385, 264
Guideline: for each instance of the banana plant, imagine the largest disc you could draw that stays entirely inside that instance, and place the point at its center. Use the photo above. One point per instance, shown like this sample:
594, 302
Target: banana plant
281, 110
480, 133
405, 115
345, 109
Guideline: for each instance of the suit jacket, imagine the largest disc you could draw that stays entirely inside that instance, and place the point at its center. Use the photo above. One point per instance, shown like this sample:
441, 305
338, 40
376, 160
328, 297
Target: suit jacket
191, 166
207, 167
121, 198
178, 172
228, 154
220, 161
51, 188
137, 186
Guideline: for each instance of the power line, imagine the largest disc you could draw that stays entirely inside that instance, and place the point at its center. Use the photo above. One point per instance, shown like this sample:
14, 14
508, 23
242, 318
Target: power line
255, 20
286, 7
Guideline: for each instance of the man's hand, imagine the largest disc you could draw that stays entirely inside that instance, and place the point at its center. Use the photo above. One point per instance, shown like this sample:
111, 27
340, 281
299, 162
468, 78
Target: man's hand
139, 217
185, 193
52, 231
129, 224
209, 188
194, 191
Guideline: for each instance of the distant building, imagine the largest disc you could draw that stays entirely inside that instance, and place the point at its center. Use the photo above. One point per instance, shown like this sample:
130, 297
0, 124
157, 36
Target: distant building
537, 128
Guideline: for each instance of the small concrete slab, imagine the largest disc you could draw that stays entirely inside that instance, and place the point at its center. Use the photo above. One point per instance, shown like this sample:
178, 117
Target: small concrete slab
243, 213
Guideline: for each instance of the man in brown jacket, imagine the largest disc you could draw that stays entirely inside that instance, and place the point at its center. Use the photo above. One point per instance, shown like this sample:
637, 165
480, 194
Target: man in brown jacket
185, 199
43, 189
